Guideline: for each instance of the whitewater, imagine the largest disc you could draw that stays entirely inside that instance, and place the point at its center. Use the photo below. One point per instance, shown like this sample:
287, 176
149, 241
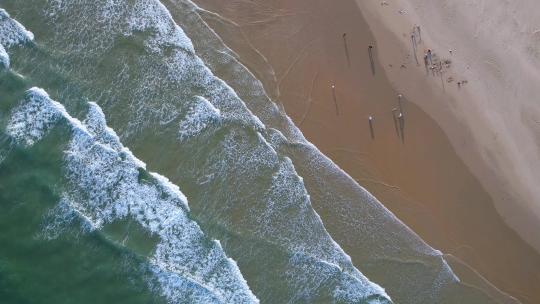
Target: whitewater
103, 178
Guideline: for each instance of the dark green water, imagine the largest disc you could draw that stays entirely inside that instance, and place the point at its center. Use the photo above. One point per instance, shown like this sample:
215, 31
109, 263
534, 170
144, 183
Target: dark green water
35, 269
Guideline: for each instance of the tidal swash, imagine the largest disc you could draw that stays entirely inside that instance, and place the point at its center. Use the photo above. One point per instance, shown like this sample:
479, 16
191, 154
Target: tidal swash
129, 173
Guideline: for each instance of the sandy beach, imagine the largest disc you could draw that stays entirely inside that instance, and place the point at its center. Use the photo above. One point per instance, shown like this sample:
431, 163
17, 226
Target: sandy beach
493, 121
433, 171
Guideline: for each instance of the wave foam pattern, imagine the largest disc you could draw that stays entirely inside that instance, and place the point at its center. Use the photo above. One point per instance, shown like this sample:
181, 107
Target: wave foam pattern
12, 32
4, 58
377, 241
200, 116
161, 71
172, 70
33, 118
104, 186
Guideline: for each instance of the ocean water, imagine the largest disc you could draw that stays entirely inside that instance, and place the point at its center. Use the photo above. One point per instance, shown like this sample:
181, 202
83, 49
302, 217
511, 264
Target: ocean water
130, 172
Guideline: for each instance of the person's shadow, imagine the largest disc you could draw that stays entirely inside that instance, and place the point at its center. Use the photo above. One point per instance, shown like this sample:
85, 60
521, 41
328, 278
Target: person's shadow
370, 52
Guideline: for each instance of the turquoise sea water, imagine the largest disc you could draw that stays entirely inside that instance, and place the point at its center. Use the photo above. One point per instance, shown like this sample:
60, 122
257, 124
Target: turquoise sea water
130, 173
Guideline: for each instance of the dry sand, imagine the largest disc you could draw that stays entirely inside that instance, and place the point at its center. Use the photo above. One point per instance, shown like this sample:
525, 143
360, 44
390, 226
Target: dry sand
493, 121
297, 49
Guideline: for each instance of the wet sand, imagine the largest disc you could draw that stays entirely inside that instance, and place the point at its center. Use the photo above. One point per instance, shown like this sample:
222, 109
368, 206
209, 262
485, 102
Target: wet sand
299, 51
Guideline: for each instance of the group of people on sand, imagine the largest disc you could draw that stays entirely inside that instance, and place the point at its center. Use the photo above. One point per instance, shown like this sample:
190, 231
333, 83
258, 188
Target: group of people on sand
431, 63
436, 66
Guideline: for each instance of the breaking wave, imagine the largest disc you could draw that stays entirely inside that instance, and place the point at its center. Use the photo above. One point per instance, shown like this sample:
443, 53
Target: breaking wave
105, 185
12, 32
168, 88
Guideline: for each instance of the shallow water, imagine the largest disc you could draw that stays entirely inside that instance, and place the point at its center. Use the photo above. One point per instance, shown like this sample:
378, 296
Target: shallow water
100, 91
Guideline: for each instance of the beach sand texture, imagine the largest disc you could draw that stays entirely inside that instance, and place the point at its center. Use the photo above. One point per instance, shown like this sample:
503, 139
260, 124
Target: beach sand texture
496, 49
433, 178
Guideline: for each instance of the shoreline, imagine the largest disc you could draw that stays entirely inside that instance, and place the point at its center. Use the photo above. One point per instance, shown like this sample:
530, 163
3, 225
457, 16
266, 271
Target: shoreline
299, 69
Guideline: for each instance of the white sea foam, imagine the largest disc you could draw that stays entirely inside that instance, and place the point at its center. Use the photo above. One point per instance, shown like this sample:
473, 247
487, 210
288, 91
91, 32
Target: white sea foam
12, 32
4, 58
104, 185
150, 14
178, 70
286, 193
33, 118
200, 116
284, 217
387, 236
59, 219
